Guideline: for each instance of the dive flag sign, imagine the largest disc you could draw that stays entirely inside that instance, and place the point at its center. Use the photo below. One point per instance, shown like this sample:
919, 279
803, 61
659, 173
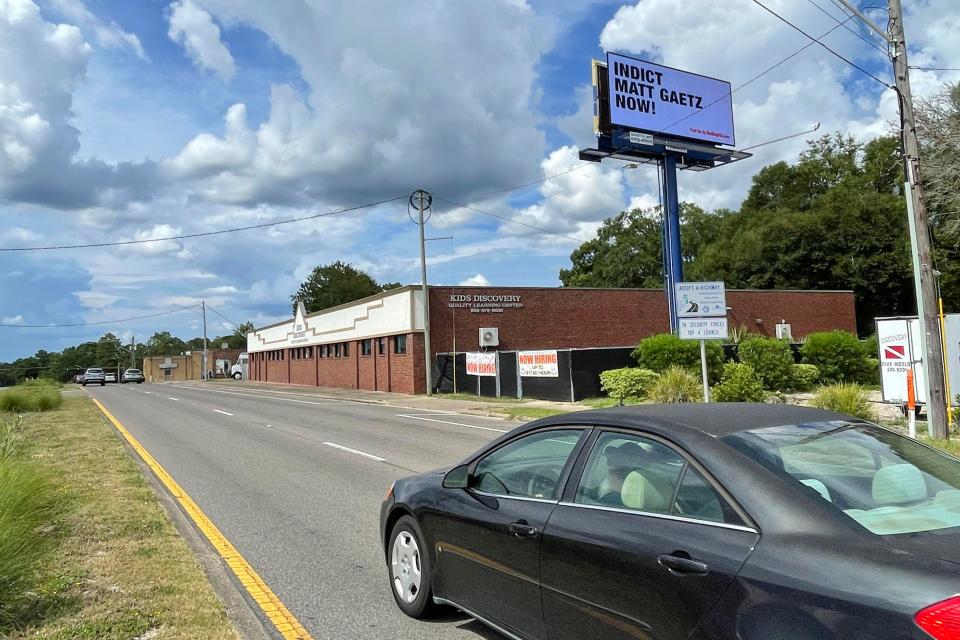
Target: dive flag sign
662, 100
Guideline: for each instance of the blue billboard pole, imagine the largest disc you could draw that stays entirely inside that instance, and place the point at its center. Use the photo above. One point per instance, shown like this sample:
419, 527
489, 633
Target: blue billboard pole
673, 264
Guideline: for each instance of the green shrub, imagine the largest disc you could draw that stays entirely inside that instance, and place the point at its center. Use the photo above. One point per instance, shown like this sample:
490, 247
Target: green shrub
29, 505
872, 374
771, 359
629, 382
848, 398
676, 384
838, 354
871, 348
30, 396
9, 438
740, 383
660, 352
803, 377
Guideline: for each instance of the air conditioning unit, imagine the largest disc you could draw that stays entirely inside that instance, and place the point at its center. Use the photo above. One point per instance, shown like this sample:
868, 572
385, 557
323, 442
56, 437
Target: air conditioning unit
784, 331
489, 337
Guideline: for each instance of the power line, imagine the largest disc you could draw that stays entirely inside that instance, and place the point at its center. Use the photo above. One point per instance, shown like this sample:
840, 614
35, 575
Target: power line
795, 27
935, 68
510, 220
90, 324
205, 233
235, 325
869, 41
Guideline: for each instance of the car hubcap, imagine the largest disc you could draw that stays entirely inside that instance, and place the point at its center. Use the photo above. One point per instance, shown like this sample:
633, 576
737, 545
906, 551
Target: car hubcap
405, 566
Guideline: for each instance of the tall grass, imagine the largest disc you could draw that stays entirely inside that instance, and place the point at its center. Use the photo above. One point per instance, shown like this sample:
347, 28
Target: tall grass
848, 398
676, 384
31, 395
29, 508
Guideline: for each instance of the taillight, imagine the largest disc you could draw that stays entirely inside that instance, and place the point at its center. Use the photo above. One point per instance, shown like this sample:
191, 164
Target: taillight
941, 620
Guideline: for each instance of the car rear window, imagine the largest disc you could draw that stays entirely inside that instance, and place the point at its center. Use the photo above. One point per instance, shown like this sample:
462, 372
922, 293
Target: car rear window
133, 370
886, 482
94, 370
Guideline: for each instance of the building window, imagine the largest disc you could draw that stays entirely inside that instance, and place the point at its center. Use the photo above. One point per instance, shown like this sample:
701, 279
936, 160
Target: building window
337, 350
366, 347
381, 346
346, 349
400, 344
325, 351
309, 352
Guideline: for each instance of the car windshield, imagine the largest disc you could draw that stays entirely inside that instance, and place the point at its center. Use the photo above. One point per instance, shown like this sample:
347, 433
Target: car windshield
886, 482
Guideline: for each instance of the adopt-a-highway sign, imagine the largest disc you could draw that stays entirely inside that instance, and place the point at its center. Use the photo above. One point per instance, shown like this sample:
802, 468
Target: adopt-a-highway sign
700, 299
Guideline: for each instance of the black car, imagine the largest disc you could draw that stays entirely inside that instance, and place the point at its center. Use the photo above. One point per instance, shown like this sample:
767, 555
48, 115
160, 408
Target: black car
707, 521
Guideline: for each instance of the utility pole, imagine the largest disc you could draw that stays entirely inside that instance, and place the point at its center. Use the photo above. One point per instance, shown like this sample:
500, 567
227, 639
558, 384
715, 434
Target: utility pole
423, 201
917, 210
203, 305
133, 352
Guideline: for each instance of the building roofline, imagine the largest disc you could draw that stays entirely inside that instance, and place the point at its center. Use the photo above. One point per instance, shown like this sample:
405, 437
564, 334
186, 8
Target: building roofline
412, 287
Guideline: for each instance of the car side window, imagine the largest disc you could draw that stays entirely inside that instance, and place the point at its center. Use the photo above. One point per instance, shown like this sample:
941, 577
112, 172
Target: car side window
641, 474
528, 467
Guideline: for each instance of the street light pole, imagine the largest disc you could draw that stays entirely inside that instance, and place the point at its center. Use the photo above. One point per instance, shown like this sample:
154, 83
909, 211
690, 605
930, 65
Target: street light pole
203, 305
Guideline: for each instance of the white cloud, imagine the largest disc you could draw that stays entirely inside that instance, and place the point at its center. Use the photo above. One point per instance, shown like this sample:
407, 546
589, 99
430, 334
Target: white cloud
207, 155
377, 117
21, 235
158, 247
17, 319
478, 280
108, 35
43, 63
194, 29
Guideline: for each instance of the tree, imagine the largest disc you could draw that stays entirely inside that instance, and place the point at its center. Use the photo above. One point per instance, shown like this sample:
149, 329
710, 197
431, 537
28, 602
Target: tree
334, 284
163, 344
243, 329
107, 348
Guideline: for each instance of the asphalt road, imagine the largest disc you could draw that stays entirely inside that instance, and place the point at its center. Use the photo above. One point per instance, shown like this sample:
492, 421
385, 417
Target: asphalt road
266, 469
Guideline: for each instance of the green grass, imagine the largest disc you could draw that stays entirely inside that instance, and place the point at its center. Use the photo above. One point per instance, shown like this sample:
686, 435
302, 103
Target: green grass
951, 446
119, 569
475, 398
31, 395
603, 403
528, 413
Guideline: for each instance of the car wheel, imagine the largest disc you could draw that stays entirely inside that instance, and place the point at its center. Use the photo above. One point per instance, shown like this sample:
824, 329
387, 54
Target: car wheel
139, 381
84, 383
409, 569
103, 384
237, 375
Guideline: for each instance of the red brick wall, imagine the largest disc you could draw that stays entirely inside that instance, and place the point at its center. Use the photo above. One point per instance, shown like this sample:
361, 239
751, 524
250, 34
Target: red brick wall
569, 318
303, 370
278, 370
339, 372
406, 369
366, 367
383, 363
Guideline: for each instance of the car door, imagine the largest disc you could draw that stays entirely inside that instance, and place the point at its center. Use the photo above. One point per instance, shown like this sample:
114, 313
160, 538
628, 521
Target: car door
487, 540
641, 546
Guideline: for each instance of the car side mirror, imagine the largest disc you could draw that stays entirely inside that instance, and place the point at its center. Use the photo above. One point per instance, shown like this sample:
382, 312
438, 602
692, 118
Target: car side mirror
457, 478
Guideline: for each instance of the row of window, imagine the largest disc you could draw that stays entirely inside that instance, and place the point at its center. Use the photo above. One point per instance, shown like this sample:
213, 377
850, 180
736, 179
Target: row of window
338, 350
399, 346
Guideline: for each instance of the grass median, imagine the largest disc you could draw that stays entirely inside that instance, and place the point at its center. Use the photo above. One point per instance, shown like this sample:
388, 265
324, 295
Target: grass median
117, 569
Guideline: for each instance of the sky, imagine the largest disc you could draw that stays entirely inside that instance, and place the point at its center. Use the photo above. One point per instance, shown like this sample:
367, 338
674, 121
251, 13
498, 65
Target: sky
128, 120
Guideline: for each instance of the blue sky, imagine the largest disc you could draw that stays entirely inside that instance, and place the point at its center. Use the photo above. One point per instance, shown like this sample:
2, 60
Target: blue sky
136, 120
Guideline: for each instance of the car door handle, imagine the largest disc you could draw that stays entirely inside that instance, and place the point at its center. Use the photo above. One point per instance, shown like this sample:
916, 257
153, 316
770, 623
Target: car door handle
523, 530
679, 564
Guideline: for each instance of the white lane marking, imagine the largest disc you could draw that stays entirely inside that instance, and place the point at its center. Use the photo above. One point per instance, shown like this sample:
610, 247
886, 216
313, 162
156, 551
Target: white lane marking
251, 395
147, 392
174, 399
359, 453
458, 424
223, 412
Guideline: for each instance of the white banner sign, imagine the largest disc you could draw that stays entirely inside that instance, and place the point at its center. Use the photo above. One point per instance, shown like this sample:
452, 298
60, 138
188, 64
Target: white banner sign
701, 299
482, 364
703, 328
538, 364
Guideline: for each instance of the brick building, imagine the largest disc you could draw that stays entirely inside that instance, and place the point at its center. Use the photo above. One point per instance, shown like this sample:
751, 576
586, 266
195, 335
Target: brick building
377, 343
189, 366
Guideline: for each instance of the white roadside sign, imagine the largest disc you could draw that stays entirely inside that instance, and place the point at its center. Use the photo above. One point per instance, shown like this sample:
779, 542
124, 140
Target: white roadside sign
538, 364
703, 328
899, 342
701, 299
482, 364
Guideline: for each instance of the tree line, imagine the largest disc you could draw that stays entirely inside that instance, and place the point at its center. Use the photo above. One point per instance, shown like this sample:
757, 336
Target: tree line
110, 353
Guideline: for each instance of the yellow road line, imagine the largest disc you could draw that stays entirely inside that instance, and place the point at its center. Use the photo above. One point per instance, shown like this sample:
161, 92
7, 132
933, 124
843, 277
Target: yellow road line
275, 611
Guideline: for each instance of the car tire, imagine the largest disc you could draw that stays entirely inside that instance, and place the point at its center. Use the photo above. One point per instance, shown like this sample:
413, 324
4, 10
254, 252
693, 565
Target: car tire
139, 381
237, 375
103, 384
409, 570
84, 383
